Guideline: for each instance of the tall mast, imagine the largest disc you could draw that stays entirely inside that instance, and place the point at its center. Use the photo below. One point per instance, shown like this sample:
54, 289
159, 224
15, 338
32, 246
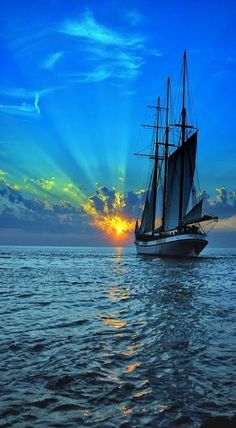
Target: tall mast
183, 132
166, 154
183, 125
155, 170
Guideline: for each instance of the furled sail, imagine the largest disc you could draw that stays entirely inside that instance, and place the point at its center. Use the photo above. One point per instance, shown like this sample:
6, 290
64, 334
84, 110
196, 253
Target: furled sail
194, 214
148, 217
185, 155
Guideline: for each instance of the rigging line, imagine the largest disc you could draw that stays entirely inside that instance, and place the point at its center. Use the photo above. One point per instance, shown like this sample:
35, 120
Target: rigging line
209, 226
146, 175
197, 176
171, 109
191, 103
177, 94
140, 132
150, 164
191, 109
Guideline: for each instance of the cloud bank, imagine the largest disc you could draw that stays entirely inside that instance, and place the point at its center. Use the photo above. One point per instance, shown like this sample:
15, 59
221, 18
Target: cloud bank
99, 218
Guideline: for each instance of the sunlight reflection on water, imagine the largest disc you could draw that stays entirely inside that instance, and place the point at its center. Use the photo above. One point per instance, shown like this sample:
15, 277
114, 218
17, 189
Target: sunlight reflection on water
102, 337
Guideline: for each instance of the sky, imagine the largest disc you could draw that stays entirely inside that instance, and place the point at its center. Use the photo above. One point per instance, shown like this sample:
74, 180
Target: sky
75, 80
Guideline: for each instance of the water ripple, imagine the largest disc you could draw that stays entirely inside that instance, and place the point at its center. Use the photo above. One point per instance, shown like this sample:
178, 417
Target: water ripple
103, 338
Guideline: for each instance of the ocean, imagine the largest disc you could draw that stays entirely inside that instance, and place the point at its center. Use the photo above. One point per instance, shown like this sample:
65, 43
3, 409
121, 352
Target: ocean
102, 338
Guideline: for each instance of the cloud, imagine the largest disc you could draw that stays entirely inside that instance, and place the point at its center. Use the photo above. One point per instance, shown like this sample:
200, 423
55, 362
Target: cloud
48, 207
26, 94
51, 60
119, 70
227, 224
36, 103
29, 106
114, 212
108, 211
221, 195
110, 53
107, 200
47, 184
96, 75
155, 52
19, 93
34, 214
134, 17
87, 28
223, 206
28, 42
72, 191
3, 176
24, 110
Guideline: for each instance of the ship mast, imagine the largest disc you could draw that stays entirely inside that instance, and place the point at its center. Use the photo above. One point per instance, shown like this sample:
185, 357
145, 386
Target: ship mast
155, 170
183, 124
183, 134
166, 154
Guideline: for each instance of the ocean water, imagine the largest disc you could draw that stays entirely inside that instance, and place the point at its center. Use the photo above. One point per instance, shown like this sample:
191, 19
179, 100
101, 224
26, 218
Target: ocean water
100, 337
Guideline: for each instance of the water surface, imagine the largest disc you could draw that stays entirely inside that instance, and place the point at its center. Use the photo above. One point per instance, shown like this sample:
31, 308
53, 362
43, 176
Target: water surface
100, 337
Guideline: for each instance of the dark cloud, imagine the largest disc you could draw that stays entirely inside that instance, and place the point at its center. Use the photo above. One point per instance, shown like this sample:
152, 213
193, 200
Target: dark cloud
224, 205
31, 218
16, 211
130, 204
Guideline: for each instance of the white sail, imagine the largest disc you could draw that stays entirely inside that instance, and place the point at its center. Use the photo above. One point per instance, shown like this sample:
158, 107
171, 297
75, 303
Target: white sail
185, 157
148, 217
195, 213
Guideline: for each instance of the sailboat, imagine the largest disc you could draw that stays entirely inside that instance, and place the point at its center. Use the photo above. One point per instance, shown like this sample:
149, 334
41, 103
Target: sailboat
180, 232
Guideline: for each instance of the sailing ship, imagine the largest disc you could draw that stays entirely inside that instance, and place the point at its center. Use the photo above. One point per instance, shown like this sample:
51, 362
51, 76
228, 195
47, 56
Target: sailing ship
180, 233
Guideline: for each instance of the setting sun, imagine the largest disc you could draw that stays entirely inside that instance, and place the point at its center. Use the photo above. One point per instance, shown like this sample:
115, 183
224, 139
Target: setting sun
119, 230
115, 226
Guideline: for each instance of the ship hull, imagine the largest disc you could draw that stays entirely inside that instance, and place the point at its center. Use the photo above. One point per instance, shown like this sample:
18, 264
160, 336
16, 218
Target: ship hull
181, 245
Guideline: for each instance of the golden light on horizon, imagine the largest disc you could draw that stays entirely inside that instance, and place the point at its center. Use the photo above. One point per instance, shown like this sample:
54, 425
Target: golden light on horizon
111, 221
116, 226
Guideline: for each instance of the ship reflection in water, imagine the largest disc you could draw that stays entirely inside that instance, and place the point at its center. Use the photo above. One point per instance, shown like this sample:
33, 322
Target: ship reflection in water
104, 338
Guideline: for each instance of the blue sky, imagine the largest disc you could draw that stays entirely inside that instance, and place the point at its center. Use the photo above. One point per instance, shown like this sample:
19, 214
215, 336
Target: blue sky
75, 81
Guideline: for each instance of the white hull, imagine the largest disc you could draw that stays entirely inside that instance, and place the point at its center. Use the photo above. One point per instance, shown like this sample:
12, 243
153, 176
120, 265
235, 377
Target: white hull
181, 245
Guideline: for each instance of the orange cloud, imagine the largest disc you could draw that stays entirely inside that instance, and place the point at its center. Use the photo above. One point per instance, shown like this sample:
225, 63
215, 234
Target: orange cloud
109, 217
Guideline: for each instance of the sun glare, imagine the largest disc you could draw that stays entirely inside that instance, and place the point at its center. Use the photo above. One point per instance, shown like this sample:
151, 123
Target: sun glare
119, 230
115, 226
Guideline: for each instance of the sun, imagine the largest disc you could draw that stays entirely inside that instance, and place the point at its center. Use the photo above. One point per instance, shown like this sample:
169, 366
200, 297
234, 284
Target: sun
116, 226
118, 229
119, 225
